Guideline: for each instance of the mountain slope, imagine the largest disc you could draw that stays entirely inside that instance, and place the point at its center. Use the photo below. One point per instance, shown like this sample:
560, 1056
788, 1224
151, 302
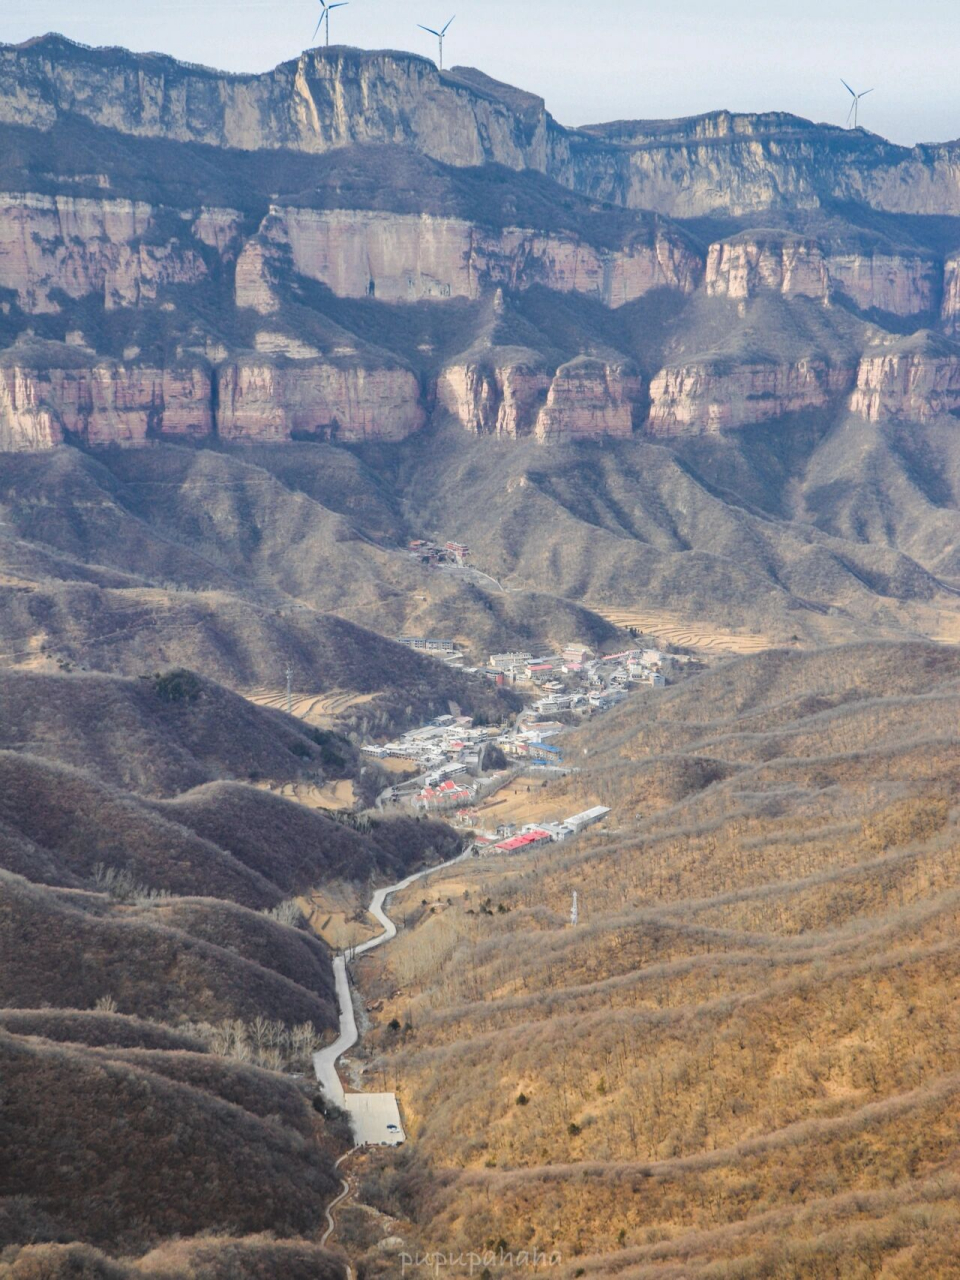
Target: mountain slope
741, 1058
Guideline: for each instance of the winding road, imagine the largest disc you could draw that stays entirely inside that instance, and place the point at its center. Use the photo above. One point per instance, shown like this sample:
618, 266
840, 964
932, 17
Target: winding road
375, 1117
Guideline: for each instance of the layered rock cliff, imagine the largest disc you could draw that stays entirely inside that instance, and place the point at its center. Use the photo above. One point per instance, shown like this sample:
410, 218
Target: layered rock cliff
324, 99
510, 393
338, 97
133, 284
799, 267
261, 400
589, 399
396, 258
915, 380
48, 398
52, 245
52, 395
501, 394
698, 399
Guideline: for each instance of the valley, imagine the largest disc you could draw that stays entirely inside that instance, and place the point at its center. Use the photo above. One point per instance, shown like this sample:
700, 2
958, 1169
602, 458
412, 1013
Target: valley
478, 682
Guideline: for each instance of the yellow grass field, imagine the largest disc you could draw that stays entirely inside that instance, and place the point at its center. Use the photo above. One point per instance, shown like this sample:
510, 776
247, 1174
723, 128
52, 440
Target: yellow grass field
332, 796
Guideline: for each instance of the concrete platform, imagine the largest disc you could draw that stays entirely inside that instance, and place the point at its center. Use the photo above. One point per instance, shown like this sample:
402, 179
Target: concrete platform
375, 1118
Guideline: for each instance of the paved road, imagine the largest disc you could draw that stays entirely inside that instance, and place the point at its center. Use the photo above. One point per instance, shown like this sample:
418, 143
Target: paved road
375, 1117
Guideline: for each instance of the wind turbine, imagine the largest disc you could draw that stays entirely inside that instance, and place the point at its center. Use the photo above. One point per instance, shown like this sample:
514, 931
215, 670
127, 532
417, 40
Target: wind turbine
325, 16
855, 105
439, 35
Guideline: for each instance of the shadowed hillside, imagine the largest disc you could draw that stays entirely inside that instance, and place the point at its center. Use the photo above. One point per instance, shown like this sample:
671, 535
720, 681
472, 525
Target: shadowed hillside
183, 1150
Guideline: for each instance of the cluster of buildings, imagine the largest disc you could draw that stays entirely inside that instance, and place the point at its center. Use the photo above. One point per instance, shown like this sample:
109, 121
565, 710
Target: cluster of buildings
430, 644
436, 553
577, 679
513, 841
450, 753
445, 748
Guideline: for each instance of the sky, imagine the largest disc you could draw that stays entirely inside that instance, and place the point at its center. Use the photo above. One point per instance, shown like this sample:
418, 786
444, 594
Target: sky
606, 60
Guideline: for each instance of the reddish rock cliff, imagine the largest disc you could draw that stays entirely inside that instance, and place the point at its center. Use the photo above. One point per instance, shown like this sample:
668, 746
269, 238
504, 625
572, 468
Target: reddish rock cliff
700, 398
57, 244
402, 258
902, 284
918, 380
501, 394
263, 400
589, 398
45, 401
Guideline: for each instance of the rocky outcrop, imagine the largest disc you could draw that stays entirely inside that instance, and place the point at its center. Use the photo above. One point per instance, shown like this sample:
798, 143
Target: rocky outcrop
403, 258
589, 399
501, 394
698, 399
901, 284
52, 245
257, 278
917, 381
333, 98
45, 403
950, 305
220, 229
740, 164
51, 394
324, 99
269, 400
510, 393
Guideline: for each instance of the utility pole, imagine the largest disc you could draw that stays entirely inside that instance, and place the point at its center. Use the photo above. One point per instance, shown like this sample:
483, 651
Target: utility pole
575, 910
289, 690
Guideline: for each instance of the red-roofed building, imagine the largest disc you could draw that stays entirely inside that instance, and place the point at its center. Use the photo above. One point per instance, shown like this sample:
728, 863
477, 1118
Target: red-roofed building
526, 841
448, 792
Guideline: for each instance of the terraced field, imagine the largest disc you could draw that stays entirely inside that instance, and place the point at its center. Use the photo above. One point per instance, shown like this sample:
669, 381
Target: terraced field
322, 710
689, 635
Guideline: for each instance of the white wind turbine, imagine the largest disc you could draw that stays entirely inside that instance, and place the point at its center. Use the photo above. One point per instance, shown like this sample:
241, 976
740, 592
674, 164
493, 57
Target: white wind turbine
325, 16
855, 105
439, 35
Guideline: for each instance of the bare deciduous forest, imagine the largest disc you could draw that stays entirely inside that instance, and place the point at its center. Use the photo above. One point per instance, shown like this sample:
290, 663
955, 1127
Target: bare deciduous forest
743, 1061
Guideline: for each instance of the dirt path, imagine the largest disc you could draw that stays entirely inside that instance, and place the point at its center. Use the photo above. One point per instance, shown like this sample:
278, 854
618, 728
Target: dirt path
329, 1212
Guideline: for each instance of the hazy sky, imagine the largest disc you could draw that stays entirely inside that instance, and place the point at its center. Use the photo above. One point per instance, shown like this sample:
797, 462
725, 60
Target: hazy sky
606, 60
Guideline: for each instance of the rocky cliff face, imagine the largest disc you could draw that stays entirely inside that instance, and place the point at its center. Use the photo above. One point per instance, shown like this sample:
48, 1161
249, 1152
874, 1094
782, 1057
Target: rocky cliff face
101, 402
322, 100
396, 258
699, 399
900, 284
742, 164
130, 287
261, 400
328, 99
501, 395
917, 382
79, 247
510, 393
51, 396
589, 399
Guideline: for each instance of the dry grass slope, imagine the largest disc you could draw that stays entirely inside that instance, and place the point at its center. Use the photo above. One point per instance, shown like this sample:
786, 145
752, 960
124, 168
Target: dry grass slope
743, 1061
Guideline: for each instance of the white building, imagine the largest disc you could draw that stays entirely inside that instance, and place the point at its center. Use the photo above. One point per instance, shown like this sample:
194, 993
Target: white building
589, 818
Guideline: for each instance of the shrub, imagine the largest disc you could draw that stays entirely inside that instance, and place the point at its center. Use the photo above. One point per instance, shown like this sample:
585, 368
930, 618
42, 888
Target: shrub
177, 686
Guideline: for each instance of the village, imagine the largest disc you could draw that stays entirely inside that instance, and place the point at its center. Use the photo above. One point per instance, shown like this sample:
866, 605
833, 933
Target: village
453, 767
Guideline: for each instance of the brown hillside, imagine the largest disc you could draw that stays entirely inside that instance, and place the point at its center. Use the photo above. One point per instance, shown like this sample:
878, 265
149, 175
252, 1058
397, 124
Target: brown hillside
742, 1061
200, 1162
70, 958
105, 1030
220, 1258
158, 736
